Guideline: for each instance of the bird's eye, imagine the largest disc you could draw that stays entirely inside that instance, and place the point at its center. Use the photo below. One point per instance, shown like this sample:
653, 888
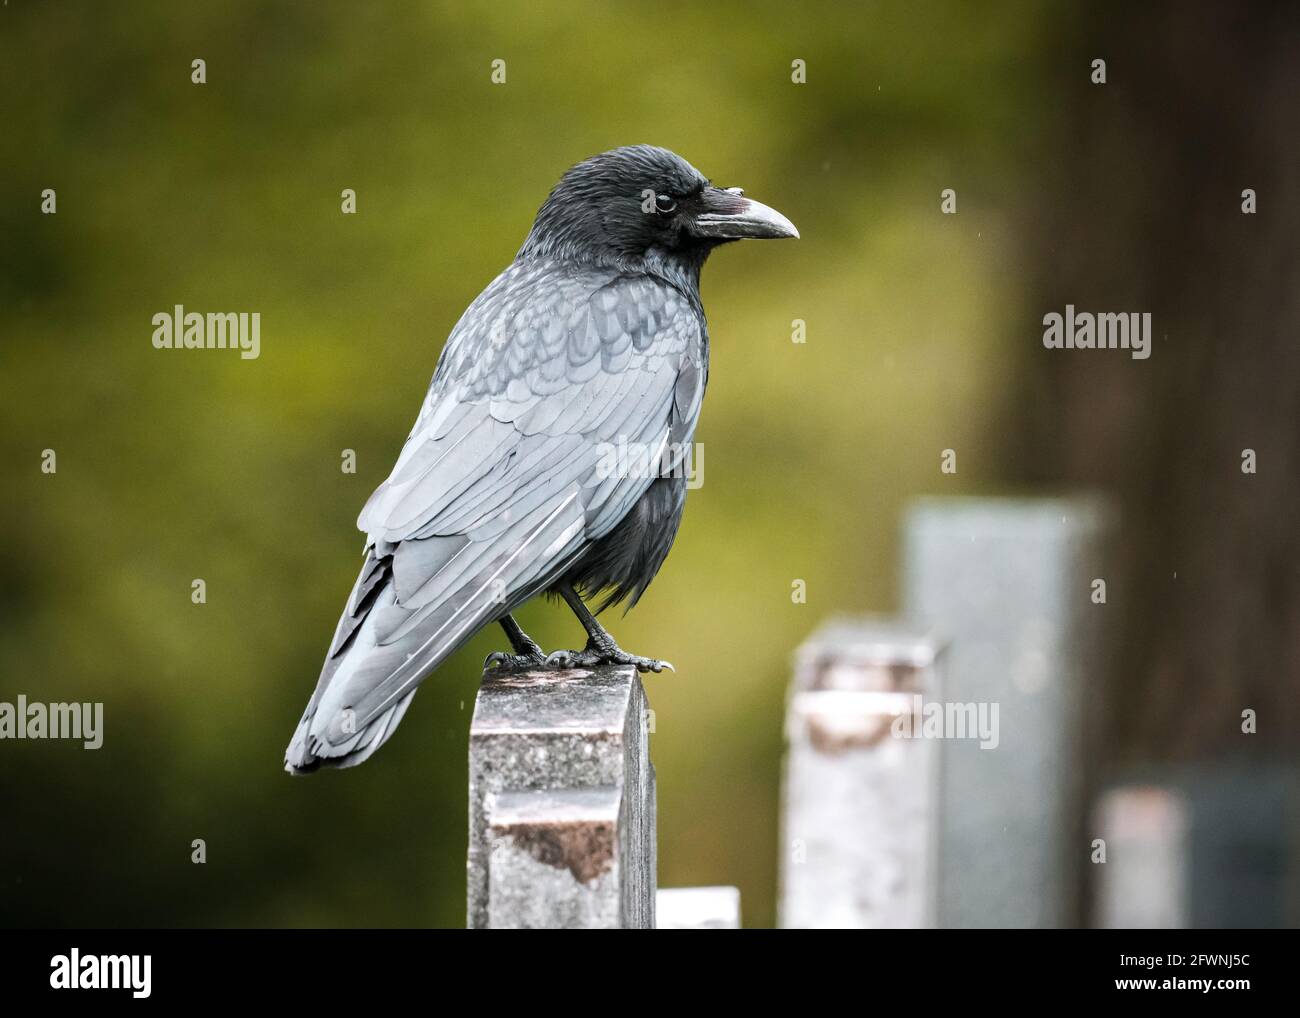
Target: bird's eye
665, 202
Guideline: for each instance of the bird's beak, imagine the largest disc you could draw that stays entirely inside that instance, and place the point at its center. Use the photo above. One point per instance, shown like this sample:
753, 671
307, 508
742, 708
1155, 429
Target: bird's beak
728, 215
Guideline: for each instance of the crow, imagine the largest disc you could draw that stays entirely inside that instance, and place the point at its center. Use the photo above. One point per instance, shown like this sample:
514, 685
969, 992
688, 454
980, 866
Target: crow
592, 341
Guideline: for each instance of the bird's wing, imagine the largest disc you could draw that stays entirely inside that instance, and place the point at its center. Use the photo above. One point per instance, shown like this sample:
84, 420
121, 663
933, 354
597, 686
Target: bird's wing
508, 474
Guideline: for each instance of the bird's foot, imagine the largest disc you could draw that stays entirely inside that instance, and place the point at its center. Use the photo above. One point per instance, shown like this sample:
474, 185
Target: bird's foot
594, 655
499, 661
528, 654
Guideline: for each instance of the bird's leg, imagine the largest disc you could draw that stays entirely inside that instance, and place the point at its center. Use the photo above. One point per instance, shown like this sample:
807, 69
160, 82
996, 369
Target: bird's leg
527, 654
601, 648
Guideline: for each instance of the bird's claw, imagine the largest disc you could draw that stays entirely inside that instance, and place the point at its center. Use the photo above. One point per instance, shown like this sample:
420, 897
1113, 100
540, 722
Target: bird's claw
499, 661
592, 657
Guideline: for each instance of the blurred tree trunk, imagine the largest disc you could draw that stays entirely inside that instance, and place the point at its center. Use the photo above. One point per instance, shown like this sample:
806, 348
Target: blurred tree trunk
1141, 210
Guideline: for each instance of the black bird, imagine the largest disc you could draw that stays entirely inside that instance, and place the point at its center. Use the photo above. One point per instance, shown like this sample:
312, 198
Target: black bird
510, 484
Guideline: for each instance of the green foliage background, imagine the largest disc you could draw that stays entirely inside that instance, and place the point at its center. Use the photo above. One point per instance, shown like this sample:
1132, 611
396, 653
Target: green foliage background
171, 466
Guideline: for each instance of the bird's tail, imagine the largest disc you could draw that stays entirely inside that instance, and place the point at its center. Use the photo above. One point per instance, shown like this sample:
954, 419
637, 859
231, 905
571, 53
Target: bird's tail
389, 638
308, 752
329, 734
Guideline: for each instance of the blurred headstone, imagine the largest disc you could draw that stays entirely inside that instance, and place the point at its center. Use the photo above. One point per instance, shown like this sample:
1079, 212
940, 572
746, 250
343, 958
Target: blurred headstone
1143, 882
859, 793
1244, 838
561, 802
698, 908
1009, 583
1206, 846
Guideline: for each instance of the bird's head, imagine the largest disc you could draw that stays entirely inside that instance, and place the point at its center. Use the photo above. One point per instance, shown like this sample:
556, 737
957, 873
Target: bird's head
641, 201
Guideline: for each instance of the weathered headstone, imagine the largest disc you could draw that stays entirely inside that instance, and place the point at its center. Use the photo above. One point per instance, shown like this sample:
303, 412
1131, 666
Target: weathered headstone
1009, 583
859, 793
561, 802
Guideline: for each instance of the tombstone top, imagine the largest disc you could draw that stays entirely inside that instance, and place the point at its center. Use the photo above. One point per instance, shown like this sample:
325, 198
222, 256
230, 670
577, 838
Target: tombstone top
853, 677
1018, 519
863, 654
574, 700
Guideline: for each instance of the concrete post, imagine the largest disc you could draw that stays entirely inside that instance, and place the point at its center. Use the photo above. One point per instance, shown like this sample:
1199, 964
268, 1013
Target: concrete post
859, 792
561, 802
1143, 882
1010, 583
